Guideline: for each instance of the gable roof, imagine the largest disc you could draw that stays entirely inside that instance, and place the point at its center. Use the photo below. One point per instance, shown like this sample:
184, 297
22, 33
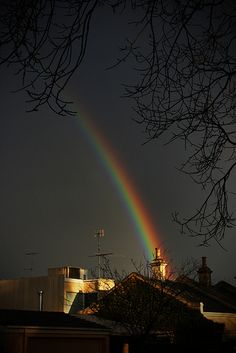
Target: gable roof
219, 298
226, 291
214, 298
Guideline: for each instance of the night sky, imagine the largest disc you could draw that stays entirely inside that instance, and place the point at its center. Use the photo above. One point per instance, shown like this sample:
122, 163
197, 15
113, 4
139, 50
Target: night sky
55, 192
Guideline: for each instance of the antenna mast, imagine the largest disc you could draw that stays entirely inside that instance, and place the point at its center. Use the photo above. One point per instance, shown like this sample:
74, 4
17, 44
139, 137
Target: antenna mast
31, 255
99, 235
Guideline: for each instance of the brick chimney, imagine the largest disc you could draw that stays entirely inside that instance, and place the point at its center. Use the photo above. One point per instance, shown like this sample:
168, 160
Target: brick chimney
158, 265
204, 274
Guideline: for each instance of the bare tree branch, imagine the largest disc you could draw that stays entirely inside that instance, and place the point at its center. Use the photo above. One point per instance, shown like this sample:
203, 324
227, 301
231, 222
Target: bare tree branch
47, 42
186, 91
184, 56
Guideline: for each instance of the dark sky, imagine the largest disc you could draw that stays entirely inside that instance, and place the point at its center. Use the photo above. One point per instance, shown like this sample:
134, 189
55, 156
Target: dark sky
55, 192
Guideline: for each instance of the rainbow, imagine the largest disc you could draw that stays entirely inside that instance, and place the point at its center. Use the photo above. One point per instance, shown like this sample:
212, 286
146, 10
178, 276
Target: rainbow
139, 216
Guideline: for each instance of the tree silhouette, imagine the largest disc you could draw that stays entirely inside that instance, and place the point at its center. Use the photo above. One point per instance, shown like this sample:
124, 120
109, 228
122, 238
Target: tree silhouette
150, 310
185, 66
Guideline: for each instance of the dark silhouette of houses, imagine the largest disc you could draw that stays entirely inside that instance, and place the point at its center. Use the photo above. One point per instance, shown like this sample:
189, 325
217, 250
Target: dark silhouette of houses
24, 331
133, 316
193, 313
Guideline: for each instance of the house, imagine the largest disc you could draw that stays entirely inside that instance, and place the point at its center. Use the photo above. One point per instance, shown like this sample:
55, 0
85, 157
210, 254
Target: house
24, 331
216, 302
64, 289
138, 312
182, 311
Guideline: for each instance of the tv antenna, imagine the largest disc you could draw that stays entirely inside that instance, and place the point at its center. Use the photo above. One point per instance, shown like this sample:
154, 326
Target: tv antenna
99, 235
31, 255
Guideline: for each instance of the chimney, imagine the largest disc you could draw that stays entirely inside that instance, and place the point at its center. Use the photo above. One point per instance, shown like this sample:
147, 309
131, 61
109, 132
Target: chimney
204, 273
158, 265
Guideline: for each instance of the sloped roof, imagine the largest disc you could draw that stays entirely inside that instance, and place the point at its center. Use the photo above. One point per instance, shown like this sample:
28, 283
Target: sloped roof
226, 291
116, 327
218, 298
45, 319
215, 298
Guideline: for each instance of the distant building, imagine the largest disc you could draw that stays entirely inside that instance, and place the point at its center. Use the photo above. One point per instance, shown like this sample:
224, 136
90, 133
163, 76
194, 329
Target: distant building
65, 289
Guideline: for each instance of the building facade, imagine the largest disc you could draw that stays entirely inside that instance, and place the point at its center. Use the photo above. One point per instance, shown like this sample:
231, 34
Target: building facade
64, 289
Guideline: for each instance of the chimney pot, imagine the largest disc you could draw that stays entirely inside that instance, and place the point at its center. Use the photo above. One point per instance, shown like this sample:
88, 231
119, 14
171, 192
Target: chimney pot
204, 261
204, 273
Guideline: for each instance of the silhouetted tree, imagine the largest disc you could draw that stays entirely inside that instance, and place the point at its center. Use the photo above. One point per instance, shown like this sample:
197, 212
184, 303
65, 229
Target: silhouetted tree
184, 54
154, 311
